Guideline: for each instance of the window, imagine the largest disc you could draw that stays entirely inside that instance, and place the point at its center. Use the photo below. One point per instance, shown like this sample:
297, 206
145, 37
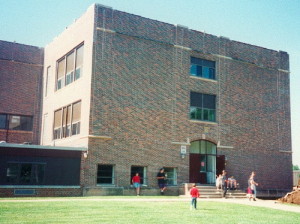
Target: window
25, 173
202, 107
16, 122
69, 67
3, 121
202, 68
105, 174
67, 121
171, 175
142, 173
47, 80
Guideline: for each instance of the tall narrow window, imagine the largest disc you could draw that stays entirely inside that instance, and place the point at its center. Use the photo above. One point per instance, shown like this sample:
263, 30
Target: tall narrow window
57, 124
171, 175
203, 107
79, 62
76, 118
61, 74
3, 121
47, 80
70, 68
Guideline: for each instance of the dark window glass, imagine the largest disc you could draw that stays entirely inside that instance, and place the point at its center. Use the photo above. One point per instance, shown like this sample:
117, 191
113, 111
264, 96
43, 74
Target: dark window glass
23, 123
3, 121
140, 170
203, 107
105, 174
25, 173
202, 68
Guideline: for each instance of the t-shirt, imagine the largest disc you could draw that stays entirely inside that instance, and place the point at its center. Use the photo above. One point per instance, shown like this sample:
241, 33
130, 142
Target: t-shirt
194, 192
136, 179
161, 180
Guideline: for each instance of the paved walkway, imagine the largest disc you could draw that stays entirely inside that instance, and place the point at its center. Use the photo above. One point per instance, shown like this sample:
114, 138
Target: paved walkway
260, 203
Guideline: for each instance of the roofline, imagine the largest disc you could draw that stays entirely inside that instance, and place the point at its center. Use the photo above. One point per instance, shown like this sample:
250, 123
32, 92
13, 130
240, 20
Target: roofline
27, 146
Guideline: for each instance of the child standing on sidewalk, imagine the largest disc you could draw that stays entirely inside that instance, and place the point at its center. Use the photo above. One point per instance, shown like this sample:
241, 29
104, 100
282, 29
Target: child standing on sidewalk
194, 192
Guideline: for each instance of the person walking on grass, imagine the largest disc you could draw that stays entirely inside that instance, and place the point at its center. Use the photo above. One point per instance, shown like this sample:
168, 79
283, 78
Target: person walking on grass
194, 192
136, 181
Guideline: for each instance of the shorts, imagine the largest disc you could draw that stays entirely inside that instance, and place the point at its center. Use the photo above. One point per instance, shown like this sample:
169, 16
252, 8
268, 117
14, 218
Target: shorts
161, 185
136, 184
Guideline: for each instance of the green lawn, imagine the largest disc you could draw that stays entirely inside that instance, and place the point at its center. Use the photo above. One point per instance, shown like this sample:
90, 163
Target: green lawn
78, 210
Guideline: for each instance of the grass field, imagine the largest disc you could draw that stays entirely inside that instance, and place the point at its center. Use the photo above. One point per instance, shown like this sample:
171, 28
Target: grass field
111, 211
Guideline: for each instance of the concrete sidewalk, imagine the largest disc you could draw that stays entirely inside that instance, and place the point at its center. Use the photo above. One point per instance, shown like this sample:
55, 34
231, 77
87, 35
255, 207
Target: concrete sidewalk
261, 203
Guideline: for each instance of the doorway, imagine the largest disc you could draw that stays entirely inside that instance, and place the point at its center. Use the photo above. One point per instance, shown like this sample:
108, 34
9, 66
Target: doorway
203, 162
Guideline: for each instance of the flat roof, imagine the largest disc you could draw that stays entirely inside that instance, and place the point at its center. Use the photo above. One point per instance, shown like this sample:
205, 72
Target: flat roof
28, 146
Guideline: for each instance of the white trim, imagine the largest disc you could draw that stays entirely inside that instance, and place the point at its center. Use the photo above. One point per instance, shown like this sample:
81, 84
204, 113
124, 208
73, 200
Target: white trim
105, 30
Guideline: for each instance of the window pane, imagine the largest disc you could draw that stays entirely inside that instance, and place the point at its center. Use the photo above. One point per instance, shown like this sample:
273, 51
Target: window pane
195, 147
3, 121
38, 171
171, 176
203, 163
193, 70
76, 112
212, 115
79, 57
205, 72
209, 101
61, 69
12, 173
212, 73
14, 122
203, 147
196, 99
79, 62
57, 118
26, 123
70, 63
25, 173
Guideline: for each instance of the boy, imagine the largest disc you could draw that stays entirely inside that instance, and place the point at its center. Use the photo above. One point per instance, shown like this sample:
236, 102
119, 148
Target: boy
194, 192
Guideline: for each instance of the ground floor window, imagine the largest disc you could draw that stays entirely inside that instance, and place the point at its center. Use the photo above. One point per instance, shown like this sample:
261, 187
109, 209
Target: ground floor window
25, 173
105, 174
171, 174
142, 173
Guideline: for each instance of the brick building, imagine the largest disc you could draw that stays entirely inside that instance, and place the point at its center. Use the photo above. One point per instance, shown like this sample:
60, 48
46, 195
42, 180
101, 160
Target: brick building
27, 168
141, 94
21, 72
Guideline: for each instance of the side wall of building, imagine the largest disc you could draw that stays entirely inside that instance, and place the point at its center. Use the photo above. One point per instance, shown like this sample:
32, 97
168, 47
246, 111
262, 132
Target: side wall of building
21, 69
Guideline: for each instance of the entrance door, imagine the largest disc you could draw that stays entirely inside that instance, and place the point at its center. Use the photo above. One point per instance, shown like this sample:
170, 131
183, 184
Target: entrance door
203, 162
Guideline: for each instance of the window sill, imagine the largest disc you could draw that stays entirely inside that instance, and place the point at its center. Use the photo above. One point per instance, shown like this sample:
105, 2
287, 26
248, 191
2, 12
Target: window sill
204, 122
204, 79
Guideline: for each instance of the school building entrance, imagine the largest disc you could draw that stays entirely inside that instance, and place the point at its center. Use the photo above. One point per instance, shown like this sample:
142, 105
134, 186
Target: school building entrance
205, 164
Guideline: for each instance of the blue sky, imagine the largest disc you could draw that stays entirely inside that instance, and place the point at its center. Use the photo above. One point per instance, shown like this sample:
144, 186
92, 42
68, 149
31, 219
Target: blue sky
273, 24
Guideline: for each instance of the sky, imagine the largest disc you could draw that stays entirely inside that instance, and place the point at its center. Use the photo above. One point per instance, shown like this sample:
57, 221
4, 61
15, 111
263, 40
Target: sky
272, 24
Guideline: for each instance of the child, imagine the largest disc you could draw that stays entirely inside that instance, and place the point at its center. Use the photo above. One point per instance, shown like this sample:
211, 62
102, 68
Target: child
194, 192
136, 181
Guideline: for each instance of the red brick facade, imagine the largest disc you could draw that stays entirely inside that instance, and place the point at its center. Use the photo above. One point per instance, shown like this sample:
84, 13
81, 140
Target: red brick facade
141, 98
21, 69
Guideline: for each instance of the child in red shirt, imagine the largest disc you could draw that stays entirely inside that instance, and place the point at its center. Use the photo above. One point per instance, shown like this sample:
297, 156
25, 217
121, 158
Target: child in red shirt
136, 181
194, 192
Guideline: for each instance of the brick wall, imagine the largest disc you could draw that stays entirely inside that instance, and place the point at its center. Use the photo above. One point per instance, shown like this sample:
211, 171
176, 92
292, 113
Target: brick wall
21, 68
141, 89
